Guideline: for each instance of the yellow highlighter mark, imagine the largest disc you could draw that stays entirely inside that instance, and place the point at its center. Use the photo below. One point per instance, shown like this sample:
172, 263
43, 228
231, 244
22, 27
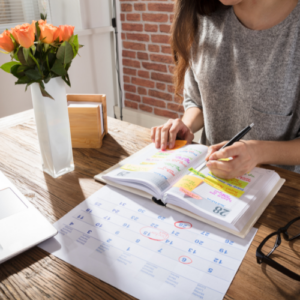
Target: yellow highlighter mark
136, 168
188, 182
178, 144
147, 163
236, 182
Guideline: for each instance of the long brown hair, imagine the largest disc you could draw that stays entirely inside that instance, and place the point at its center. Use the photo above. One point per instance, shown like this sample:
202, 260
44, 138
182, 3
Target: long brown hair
184, 28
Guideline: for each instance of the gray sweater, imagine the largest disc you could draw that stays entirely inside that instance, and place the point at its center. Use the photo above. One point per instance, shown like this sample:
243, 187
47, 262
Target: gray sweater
240, 76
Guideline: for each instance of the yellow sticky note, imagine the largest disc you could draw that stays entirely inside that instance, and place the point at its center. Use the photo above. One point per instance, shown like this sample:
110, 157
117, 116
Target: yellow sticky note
147, 163
236, 182
136, 168
188, 182
178, 144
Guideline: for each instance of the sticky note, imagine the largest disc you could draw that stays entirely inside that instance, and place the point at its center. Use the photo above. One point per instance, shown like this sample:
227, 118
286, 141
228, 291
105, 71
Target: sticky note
190, 194
188, 182
178, 144
147, 163
236, 182
136, 168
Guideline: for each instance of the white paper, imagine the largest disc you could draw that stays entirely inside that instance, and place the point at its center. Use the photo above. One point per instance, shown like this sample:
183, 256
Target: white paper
146, 250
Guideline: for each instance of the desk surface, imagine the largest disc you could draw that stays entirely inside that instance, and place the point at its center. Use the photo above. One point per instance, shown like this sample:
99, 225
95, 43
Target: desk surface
37, 275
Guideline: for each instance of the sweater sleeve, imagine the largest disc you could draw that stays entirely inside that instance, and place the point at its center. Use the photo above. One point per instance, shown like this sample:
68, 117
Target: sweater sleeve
191, 92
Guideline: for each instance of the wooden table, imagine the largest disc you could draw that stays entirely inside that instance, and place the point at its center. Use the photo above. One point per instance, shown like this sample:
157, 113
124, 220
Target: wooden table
36, 274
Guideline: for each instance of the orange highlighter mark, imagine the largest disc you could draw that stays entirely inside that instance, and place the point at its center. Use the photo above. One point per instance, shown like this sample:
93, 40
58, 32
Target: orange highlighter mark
190, 194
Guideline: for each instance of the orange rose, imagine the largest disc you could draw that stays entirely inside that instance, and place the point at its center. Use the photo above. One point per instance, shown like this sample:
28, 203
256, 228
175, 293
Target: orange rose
5, 41
41, 22
24, 35
64, 32
47, 33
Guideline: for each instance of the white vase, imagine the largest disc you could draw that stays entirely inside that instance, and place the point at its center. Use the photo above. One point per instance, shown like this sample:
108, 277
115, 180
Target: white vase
53, 127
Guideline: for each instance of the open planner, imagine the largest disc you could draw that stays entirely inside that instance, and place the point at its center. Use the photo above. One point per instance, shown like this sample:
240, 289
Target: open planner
170, 178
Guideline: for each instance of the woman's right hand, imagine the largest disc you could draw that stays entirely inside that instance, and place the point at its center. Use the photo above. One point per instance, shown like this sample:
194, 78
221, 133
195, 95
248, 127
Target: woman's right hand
165, 135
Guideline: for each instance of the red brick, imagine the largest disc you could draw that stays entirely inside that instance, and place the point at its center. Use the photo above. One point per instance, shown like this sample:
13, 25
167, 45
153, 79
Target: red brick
142, 55
155, 18
126, 78
138, 37
171, 69
129, 71
155, 67
131, 104
176, 107
151, 27
122, 17
160, 86
161, 7
131, 63
139, 6
127, 53
171, 18
161, 95
133, 97
144, 74
132, 27
129, 88
164, 28
165, 113
126, 7
142, 82
154, 102
142, 91
171, 89
162, 77
123, 36
134, 46
133, 17
166, 49
164, 39
145, 108
153, 48
161, 58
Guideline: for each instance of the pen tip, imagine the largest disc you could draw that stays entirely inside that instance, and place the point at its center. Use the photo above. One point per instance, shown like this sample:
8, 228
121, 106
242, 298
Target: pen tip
251, 125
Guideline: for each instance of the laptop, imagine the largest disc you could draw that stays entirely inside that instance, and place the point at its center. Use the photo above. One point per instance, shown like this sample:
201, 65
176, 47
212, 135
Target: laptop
22, 226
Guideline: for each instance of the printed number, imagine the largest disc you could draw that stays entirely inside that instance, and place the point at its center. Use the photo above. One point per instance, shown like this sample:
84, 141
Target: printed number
134, 218
159, 250
154, 225
98, 225
229, 242
89, 210
137, 241
218, 261
210, 270
220, 210
126, 225
146, 233
80, 217
117, 232
71, 224
199, 242
89, 232
169, 242
205, 233
161, 218
98, 203
107, 218
115, 211
223, 251
109, 240
122, 203
141, 211
176, 233
191, 250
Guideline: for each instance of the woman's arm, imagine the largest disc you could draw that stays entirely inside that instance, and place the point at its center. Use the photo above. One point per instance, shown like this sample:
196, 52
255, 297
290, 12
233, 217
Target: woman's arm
248, 154
191, 122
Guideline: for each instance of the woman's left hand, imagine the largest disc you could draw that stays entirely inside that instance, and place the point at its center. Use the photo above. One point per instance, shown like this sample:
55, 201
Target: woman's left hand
245, 156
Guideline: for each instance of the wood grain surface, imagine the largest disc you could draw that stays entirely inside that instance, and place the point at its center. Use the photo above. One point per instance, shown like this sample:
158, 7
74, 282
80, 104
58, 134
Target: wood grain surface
36, 274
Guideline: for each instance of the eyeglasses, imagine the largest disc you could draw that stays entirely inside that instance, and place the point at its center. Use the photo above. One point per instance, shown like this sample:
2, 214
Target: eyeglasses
290, 232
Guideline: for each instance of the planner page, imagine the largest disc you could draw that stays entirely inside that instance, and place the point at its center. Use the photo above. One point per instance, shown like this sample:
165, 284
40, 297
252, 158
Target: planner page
146, 250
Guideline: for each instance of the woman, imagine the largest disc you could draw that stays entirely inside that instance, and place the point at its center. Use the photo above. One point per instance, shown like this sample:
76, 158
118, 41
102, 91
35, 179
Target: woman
240, 64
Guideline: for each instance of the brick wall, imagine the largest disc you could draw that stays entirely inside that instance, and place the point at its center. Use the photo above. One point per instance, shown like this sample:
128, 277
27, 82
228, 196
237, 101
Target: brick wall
146, 57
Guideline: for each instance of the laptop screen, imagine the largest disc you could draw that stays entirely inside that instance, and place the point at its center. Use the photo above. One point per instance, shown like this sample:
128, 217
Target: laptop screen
10, 203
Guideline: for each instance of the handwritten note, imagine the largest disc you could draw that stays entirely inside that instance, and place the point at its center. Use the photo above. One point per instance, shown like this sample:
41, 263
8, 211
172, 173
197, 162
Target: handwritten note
190, 194
234, 181
188, 182
136, 168
178, 144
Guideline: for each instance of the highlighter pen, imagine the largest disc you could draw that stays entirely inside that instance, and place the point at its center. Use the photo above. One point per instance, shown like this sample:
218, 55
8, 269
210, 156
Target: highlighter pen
236, 138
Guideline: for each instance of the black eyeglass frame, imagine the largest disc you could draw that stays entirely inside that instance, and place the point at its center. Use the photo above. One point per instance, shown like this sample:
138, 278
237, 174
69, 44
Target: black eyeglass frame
262, 258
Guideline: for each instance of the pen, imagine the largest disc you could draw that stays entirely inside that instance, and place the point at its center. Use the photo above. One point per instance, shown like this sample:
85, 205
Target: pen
236, 138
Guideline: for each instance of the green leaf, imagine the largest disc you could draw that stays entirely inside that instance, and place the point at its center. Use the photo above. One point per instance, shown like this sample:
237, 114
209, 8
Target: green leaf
23, 80
44, 17
47, 78
74, 43
7, 66
58, 68
18, 70
37, 31
16, 55
34, 75
44, 92
26, 53
65, 53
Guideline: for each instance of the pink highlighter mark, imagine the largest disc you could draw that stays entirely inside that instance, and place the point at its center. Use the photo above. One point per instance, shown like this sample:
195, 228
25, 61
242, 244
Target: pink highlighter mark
190, 194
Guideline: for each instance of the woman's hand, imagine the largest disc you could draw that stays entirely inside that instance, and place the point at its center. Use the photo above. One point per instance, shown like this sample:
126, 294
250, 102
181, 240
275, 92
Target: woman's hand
165, 135
245, 156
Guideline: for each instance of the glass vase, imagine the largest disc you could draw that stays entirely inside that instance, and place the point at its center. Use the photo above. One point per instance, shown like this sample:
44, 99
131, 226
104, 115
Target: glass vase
53, 127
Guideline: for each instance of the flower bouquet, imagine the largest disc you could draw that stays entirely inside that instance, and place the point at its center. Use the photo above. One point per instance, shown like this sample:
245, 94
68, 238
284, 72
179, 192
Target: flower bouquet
41, 55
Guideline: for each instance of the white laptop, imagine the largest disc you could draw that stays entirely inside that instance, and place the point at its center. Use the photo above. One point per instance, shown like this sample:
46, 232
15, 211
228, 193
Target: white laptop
22, 226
